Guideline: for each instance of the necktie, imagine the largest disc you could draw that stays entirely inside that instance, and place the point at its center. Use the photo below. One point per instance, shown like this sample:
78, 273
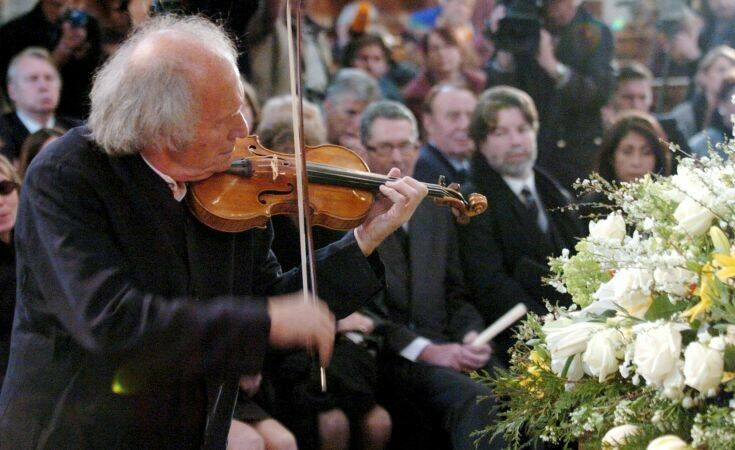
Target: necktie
529, 200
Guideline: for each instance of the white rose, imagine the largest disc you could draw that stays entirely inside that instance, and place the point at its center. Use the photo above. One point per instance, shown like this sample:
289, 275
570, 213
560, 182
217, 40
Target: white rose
611, 229
674, 280
565, 338
668, 442
693, 217
599, 358
656, 353
617, 436
630, 289
703, 367
575, 372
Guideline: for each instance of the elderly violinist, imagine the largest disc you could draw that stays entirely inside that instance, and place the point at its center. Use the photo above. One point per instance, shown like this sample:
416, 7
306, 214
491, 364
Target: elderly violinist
134, 321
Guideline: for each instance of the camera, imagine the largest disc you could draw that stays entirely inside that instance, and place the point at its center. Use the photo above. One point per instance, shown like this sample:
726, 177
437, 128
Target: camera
77, 18
518, 32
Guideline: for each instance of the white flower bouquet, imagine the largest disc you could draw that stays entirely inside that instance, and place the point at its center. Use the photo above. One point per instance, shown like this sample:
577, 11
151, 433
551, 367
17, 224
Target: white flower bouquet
645, 357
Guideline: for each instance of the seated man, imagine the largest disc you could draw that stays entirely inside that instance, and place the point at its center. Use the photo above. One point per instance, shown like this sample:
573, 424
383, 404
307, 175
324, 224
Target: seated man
34, 87
505, 250
135, 321
424, 315
446, 120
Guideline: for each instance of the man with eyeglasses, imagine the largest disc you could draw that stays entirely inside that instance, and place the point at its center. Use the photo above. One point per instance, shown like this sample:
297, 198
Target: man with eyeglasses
424, 314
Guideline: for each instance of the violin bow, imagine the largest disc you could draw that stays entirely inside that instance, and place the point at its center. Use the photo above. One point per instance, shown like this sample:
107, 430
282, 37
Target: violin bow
306, 242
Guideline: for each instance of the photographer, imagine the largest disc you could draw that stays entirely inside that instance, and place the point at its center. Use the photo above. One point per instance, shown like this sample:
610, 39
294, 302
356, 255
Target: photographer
71, 36
561, 55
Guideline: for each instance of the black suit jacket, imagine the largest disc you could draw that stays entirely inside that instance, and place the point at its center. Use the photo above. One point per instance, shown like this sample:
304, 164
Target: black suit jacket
505, 253
437, 306
133, 320
13, 133
432, 164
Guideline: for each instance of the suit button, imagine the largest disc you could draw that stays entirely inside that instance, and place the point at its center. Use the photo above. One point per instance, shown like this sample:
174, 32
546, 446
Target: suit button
561, 143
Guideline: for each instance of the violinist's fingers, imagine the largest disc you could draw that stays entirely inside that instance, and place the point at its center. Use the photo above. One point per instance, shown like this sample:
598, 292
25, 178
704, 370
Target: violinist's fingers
421, 188
392, 194
394, 172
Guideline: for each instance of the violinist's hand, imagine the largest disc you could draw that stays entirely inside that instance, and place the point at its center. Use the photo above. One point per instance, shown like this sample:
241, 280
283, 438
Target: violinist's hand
296, 323
396, 204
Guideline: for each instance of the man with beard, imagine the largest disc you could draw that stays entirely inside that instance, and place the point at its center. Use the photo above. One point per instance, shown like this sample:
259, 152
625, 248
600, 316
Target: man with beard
446, 119
505, 250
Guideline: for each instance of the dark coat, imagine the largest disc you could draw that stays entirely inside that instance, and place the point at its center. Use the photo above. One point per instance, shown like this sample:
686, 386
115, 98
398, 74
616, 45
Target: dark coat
504, 252
437, 306
133, 320
571, 127
13, 133
432, 164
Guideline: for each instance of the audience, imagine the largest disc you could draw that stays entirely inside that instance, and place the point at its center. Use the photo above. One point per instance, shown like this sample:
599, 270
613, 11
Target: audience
570, 77
424, 315
369, 53
33, 87
505, 250
446, 119
33, 144
722, 124
447, 60
698, 113
396, 377
72, 38
9, 186
634, 92
350, 92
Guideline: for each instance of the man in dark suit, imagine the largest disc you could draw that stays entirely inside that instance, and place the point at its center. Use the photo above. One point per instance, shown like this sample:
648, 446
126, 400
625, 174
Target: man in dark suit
505, 250
424, 315
134, 321
34, 87
446, 120
570, 76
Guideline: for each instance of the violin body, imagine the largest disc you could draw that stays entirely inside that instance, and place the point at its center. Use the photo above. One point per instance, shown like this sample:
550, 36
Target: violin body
262, 184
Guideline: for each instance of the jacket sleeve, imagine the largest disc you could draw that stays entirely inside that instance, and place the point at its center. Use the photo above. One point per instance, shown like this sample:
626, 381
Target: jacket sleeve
346, 279
75, 273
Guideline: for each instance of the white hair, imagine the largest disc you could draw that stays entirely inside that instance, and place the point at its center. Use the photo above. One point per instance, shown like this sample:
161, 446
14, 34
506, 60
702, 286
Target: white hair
29, 52
142, 97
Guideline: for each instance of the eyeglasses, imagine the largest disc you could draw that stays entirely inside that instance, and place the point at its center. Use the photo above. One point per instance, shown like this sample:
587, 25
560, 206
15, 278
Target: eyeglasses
7, 186
385, 149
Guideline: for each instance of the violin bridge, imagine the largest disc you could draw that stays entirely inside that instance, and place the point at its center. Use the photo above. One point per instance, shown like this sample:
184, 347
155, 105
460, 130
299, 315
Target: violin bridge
274, 168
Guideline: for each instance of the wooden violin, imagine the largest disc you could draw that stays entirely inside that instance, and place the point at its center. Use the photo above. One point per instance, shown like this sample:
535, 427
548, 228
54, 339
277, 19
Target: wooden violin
261, 183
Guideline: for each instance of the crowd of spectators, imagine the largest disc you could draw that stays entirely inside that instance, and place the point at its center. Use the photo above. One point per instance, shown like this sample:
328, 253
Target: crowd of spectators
440, 94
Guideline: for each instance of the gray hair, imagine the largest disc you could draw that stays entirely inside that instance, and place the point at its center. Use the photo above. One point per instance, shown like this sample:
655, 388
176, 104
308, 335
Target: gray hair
142, 97
356, 83
29, 52
385, 109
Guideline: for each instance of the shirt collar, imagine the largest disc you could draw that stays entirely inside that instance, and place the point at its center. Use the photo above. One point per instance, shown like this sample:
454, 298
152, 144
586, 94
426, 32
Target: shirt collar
178, 188
517, 184
31, 125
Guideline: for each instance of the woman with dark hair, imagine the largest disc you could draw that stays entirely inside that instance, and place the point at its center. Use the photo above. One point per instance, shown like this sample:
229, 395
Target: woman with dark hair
33, 145
446, 60
635, 145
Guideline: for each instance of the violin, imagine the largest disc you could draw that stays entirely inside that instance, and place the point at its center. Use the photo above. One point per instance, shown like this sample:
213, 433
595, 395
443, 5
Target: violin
262, 182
